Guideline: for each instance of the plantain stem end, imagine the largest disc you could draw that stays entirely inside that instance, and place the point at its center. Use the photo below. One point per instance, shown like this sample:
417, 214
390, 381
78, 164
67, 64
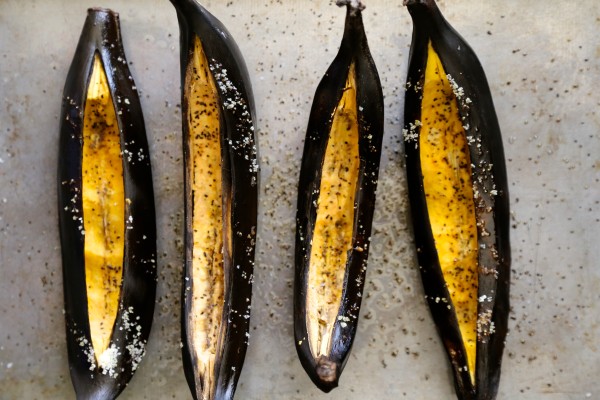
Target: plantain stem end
355, 5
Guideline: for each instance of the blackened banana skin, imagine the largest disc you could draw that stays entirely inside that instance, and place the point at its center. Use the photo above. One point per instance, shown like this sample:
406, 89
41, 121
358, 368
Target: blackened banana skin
491, 203
325, 371
101, 36
239, 193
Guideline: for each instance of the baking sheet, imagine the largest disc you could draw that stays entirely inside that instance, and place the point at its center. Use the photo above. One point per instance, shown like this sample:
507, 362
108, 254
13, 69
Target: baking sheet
541, 59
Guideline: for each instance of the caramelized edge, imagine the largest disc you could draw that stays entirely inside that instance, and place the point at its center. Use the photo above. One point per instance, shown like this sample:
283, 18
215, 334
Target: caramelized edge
103, 202
448, 186
334, 227
205, 176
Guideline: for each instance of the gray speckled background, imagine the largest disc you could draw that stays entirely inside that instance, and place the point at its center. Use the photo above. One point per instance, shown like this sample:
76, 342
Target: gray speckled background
542, 62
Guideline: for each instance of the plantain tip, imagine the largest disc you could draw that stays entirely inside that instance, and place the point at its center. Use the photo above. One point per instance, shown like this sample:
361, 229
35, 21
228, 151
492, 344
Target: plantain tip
327, 371
354, 5
413, 2
103, 10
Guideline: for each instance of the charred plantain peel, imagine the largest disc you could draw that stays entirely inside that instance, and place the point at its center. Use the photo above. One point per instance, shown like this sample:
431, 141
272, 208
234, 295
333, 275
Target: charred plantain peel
221, 180
336, 199
459, 199
106, 214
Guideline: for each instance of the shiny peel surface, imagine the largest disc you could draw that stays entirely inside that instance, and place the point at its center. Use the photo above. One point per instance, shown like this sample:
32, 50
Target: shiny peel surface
334, 225
447, 182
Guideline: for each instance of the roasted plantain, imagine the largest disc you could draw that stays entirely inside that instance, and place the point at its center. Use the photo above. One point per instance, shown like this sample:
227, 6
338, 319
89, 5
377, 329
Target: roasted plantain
336, 199
221, 178
459, 199
106, 214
